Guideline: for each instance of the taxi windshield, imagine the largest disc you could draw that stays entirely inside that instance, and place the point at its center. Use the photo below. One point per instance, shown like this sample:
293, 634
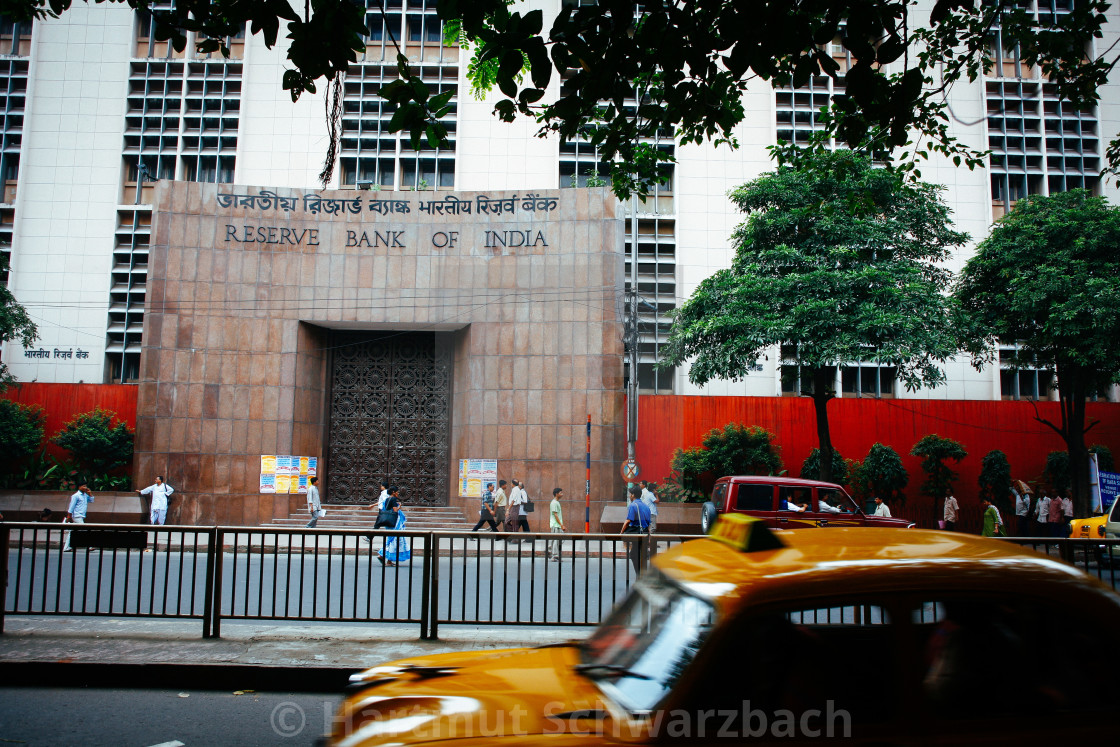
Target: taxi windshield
638, 653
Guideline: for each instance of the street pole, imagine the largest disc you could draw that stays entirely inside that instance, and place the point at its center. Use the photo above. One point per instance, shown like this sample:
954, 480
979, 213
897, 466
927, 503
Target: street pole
632, 388
587, 484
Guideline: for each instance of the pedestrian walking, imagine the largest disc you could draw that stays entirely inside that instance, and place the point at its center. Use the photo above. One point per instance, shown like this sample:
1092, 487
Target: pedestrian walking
486, 512
1022, 511
952, 508
1042, 515
555, 523
518, 499
314, 505
881, 508
396, 549
637, 522
992, 521
76, 512
1055, 515
501, 503
389, 518
384, 496
160, 492
650, 499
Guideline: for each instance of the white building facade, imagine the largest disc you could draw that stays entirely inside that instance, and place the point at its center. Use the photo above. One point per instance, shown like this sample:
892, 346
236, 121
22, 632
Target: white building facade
94, 109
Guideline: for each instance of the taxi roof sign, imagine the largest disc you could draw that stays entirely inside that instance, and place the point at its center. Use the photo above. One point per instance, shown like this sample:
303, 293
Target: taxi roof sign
745, 533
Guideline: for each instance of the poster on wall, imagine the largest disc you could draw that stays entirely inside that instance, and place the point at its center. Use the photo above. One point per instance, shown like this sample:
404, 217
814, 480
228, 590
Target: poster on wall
475, 474
1110, 488
285, 473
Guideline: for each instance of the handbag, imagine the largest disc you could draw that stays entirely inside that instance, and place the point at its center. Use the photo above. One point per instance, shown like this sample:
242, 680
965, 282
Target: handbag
528, 507
386, 519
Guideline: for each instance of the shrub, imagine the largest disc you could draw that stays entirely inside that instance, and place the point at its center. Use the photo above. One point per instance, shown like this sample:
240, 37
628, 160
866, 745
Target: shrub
995, 481
98, 443
733, 450
1056, 474
881, 474
935, 451
21, 432
811, 467
1104, 457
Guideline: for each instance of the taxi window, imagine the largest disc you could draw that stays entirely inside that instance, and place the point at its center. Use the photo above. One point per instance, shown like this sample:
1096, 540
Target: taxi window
805, 660
1006, 656
754, 497
790, 497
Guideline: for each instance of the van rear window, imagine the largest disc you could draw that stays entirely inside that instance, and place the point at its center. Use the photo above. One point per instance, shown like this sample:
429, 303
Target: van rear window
754, 498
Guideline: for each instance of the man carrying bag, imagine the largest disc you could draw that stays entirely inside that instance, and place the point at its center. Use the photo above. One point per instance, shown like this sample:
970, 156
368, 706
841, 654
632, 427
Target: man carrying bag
637, 522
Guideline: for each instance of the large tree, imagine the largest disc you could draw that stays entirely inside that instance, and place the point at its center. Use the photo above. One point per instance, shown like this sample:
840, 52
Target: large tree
15, 324
837, 259
1046, 277
689, 60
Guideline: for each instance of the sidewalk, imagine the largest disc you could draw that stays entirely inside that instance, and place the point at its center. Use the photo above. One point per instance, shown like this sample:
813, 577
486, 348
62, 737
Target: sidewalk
141, 653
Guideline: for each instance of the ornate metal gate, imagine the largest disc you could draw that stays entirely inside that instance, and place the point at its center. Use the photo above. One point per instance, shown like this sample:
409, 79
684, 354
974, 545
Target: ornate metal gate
390, 416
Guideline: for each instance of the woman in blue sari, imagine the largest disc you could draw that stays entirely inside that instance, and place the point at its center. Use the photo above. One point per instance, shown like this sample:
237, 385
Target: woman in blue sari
396, 548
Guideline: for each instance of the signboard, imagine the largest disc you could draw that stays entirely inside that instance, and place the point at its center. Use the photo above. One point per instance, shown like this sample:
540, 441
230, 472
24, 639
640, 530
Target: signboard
1110, 487
474, 474
630, 470
284, 473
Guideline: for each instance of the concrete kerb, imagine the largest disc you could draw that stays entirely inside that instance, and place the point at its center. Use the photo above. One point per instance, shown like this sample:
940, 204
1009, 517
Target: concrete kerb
104, 652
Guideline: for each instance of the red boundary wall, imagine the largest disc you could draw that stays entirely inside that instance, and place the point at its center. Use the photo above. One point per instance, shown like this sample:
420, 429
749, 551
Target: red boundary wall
61, 402
666, 422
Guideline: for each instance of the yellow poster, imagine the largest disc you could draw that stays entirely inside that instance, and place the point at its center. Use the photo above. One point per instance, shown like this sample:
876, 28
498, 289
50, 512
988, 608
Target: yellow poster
283, 483
268, 464
303, 461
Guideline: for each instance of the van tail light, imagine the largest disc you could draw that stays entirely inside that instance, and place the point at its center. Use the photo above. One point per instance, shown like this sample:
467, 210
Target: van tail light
1100, 530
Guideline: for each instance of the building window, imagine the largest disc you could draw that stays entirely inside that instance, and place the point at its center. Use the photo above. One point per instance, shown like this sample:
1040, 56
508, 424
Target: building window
371, 157
1020, 377
657, 296
868, 380
181, 122
1039, 144
15, 37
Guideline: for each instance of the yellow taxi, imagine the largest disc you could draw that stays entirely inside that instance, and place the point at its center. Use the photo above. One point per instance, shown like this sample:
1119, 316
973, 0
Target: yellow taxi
1091, 528
880, 635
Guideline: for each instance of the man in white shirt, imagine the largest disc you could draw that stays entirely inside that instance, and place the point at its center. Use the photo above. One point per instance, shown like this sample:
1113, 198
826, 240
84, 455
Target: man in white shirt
76, 511
1022, 511
650, 499
517, 499
1042, 516
313, 503
159, 492
881, 508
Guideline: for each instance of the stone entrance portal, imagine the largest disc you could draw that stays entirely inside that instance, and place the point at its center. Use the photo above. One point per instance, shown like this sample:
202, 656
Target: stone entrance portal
337, 325
390, 416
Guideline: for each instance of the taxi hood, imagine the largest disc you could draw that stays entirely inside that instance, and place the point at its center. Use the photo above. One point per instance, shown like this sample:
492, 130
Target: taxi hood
507, 693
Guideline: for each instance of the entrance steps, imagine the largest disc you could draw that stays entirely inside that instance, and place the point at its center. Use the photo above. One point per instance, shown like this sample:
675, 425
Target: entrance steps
351, 516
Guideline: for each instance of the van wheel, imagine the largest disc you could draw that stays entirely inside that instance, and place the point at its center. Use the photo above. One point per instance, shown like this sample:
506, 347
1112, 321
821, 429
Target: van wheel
707, 517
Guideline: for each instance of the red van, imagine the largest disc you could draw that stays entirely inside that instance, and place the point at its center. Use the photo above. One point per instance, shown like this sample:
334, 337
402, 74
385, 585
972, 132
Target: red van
790, 503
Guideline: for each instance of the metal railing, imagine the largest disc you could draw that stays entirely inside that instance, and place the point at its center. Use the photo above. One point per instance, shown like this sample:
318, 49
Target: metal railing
334, 575
317, 575
1098, 557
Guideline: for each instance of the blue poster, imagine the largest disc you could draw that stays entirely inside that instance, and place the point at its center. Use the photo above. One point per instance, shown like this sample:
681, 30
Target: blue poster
1110, 487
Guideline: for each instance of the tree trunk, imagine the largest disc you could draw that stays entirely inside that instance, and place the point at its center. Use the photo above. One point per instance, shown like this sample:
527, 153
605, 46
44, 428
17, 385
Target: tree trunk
821, 394
1072, 386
